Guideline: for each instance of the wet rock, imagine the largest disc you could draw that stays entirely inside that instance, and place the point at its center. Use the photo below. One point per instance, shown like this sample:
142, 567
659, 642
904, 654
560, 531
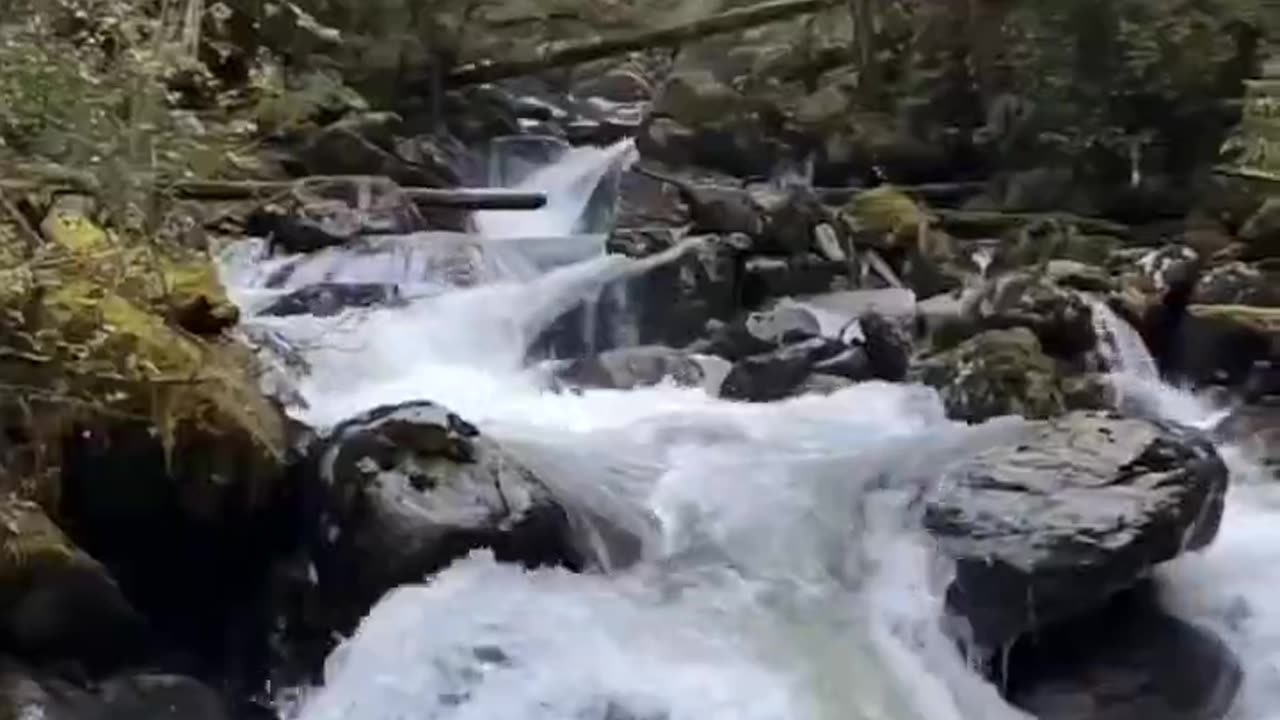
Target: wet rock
646, 202
326, 299
407, 489
1061, 318
1129, 661
1256, 429
775, 375
1223, 344
793, 218
770, 278
25, 694
724, 210
699, 119
759, 332
998, 372
1262, 230
1076, 275
851, 364
364, 144
630, 368
58, 604
822, 384
324, 213
1079, 509
888, 347
1238, 283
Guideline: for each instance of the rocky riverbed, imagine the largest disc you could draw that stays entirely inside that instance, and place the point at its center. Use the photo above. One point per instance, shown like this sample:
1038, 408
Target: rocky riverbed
809, 393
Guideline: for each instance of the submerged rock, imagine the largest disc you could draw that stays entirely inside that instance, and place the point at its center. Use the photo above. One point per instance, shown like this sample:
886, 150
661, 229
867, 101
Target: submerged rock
630, 368
325, 299
1080, 509
142, 696
776, 374
408, 489
1129, 661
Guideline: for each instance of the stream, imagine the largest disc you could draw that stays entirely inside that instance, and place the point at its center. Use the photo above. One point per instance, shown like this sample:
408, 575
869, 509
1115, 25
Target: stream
784, 573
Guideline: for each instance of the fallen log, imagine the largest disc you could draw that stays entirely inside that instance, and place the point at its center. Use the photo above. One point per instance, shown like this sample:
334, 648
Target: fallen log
994, 222
575, 53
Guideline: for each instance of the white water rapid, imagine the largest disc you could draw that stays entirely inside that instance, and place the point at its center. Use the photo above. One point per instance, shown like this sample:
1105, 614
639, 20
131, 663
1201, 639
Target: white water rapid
785, 575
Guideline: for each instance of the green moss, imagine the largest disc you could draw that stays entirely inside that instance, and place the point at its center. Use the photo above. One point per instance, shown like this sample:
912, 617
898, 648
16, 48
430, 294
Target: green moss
885, 210
999, 372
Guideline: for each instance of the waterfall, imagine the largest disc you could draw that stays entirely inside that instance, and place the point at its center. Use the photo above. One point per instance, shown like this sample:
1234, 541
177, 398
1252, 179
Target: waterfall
784, 573
1120, 344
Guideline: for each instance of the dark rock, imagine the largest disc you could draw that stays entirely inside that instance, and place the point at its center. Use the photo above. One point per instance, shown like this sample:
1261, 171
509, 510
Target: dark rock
724, 210
1129, 661
408, 489
770, 278
1076, 275
996, 373
1238, 283
821, 384
1060, 318
1223, 344
24, 694
888, 347
629, 368
324, 213
365, 145
326, 299
851, 364
1262, 230
1256, 430
58, 604
775, 375
1079, 509
646, 202
760, 332
793, 217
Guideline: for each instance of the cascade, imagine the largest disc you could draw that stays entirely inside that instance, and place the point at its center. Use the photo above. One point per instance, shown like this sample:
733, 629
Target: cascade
784, 574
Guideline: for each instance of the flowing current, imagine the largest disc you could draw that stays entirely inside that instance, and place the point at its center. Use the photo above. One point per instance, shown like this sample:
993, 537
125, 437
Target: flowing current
784, 575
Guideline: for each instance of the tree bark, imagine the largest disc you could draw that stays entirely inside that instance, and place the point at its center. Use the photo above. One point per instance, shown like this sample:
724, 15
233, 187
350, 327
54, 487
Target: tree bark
574, 53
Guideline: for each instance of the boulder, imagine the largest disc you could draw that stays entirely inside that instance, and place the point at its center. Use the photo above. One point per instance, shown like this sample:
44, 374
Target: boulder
998, 372
405, 490
770, 278
724, 210
1128, 661
1226, 344
759, 332
321, 213
887, 345
1238, 283
630, 368
1061, 318
774, 375
365, 144
326, 299
58, 604
793, 218
1262, 230
141, 696
1078, 509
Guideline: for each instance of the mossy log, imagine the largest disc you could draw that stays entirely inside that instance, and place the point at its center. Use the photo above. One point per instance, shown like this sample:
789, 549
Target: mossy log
574, 53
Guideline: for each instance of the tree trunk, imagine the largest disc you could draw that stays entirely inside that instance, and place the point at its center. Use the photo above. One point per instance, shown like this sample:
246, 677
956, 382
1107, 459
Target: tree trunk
574, 53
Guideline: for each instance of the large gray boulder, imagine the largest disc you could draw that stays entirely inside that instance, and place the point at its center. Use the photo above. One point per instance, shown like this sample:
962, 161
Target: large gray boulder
408, 489
1081, 508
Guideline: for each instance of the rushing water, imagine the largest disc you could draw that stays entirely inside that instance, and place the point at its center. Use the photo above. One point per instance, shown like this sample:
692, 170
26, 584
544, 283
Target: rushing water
784, 575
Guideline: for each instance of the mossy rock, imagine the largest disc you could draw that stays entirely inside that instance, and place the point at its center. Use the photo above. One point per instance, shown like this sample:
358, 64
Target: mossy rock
885, 211
999, 372
57, 602
183, 286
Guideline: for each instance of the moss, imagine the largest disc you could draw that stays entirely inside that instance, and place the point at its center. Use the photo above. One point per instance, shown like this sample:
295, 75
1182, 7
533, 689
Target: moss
999, 372
885, 210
